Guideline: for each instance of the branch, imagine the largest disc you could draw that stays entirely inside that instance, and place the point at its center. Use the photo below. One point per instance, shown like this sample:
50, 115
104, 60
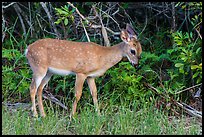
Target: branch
4, 7
50, 18
198, 34
85, 30
104, 32
114, 33
188, 88
50, 32
17, 8
173, 17
110, 17
50, 97
184, 106
18, 11
190, 110
17, 105
4, 28
78, 12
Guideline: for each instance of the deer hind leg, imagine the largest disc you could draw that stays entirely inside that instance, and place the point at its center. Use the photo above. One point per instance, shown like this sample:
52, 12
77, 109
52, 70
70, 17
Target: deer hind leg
80, 78
93, 90
32, 95
40, 90
36, 80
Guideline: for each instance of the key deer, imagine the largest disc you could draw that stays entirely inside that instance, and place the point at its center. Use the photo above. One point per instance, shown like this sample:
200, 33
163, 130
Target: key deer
86, 60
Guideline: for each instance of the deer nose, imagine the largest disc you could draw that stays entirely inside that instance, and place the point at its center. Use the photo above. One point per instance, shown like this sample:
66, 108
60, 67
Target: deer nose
136, 65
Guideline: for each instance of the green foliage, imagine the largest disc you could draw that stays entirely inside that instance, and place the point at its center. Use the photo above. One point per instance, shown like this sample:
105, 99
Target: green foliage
15, 75
62, 84
125, 83
186, 54
125, 5
196, 9
64, 14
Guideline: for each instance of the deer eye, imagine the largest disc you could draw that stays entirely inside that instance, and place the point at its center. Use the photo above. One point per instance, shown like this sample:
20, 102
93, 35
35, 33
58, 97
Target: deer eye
132, 51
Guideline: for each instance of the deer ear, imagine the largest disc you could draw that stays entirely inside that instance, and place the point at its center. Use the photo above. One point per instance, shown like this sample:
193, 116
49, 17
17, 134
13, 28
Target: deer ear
131, 31
124, 36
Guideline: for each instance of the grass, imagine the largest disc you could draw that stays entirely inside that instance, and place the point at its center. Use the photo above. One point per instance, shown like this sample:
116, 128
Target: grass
114, 120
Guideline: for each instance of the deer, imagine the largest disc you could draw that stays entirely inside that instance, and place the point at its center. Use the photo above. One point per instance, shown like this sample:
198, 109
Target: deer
86, 60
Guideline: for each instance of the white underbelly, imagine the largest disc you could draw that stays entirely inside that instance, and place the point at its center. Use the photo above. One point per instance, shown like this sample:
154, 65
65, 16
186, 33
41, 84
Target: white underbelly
60, 71
96, 73
68, 72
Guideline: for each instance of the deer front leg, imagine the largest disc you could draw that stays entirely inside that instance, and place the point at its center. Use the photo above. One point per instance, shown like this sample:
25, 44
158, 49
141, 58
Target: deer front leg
80, 78
93, 90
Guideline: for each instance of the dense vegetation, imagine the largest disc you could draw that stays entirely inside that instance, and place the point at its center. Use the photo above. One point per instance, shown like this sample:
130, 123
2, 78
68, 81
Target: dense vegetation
170, 35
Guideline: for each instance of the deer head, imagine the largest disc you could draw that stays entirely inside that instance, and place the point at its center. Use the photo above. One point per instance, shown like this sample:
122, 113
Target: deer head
132, 48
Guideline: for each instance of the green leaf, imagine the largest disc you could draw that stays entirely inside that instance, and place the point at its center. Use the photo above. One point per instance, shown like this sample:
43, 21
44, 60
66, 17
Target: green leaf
170, 51
58, 21
194, 66
66, 22
73, 10
178, 65
197, 51
60, 11
181, 70
184, 59
178, 4
139, 78
195, 75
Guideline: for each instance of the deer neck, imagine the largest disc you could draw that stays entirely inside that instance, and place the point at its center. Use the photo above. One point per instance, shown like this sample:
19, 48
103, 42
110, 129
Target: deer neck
115, 54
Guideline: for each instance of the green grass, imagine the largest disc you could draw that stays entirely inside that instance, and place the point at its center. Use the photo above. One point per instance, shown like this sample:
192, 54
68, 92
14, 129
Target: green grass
114, 120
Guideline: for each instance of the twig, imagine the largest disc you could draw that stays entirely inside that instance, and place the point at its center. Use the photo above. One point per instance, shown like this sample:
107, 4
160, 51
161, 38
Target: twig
50, 97
110, 17
173, 17
188, 88
198, 34
50, 32
190, 110
18, 11
104, 32
78, 12
144, 26
115, 12
108, 29
31, 32
114, 33
17, 105
155, 90
85, 30
40, 25
4, 7
17, 7
4, 28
